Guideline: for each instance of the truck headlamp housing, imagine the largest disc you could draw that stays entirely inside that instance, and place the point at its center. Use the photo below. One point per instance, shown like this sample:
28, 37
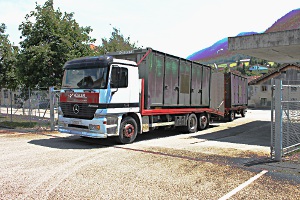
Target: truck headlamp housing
98, 114
94, 127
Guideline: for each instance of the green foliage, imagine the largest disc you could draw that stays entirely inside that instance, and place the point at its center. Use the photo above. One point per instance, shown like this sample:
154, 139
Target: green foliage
258, 61
50, 39
9, 124
8, 55
242, 69
117, 42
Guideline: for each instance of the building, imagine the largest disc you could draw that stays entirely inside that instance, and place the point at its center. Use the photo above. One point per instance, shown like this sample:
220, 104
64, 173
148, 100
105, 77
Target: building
260, 89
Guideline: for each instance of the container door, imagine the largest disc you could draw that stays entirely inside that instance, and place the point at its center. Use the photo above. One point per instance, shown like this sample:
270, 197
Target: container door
171, 86
217, 91
206, 86
185, 82
155, 80
235, 89
196, 93
244, 85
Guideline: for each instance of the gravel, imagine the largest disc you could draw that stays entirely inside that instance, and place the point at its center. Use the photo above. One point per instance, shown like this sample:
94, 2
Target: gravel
50, 165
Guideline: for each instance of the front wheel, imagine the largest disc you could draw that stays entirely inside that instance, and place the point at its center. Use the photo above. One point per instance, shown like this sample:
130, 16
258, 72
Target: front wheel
128, 130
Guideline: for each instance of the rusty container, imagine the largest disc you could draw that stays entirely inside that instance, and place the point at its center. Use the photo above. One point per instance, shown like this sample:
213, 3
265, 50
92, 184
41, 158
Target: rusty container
236, 93
170, 81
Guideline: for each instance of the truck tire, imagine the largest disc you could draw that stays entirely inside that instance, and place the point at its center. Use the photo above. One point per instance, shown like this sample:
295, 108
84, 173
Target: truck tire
192, 123
243, 113
231, 116
128, 130
203, 122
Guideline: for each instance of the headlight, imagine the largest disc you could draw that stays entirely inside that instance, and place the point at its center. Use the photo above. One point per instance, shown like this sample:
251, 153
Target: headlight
94, 127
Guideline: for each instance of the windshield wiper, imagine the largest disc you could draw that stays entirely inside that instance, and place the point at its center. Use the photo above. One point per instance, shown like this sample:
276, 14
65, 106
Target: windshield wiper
71, 90
88, 90
66, 86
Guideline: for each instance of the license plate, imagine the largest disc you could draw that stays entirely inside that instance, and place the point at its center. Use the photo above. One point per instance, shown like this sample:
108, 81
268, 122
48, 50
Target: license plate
76, 122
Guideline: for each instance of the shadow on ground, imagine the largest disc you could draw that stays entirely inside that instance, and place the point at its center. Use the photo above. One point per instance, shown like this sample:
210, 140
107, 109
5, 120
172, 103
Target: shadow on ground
77, 142
252, 133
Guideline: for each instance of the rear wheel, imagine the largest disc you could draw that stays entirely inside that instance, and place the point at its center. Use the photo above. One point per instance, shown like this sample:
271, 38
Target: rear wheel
203, 122
192, 123
243, 113
231, 116
128, 130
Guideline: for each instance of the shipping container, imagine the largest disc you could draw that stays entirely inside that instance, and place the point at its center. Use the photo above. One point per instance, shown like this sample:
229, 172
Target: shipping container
170, 81
232, 91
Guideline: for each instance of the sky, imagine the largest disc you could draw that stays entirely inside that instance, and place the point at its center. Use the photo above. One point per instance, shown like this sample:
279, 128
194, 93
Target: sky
177, 27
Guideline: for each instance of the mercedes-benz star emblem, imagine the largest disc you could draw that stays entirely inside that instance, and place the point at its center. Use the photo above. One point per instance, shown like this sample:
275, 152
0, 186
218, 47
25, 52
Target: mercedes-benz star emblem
76, 108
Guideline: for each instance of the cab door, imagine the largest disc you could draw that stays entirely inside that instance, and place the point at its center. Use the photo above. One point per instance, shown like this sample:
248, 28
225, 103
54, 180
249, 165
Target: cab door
124, 96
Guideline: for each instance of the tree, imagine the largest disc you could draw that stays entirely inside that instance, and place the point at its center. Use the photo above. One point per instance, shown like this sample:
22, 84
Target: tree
117, 42
50, 39
8, 55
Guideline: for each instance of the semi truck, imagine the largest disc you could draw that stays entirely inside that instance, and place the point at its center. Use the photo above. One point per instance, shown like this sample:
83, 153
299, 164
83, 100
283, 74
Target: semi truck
127, 93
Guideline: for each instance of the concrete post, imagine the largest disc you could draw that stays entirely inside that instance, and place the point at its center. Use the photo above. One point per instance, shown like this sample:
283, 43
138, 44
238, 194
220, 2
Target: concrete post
278, 120
51, 89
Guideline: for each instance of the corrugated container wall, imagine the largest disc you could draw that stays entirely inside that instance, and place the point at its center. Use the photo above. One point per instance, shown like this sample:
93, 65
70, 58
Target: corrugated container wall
217, 91
235, 90
171, 81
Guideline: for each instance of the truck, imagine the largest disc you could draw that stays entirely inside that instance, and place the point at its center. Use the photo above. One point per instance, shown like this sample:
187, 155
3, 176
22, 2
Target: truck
127, 93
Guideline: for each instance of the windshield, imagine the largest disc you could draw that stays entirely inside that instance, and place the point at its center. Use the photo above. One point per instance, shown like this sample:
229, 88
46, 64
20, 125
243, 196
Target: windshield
88, 78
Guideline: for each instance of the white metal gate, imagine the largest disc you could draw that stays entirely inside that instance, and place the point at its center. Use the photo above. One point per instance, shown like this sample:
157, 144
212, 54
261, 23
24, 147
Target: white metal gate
285, 118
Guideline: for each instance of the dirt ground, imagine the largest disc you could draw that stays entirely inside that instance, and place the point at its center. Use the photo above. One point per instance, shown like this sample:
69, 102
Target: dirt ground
163, 164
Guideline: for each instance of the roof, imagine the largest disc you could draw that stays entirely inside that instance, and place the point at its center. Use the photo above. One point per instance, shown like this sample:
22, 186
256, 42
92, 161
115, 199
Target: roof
273, 72
280, 47
258, 67
251, 78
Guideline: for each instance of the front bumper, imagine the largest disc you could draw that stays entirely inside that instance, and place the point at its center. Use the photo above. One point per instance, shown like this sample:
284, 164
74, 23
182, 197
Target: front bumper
82, 132
82, 127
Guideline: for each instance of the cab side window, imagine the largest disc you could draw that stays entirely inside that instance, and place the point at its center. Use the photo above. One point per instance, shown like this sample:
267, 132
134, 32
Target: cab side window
119, 77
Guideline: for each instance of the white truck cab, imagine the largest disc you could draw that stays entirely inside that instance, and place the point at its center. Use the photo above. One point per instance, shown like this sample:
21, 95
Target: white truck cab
96, 94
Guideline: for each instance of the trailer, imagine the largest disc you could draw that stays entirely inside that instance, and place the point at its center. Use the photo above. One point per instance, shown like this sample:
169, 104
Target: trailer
232, 91
127, 93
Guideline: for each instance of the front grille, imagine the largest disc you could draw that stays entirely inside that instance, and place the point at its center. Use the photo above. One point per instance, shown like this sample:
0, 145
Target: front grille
84, 112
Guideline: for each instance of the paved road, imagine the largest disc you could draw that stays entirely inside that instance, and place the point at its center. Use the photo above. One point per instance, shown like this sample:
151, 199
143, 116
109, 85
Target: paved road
228, 160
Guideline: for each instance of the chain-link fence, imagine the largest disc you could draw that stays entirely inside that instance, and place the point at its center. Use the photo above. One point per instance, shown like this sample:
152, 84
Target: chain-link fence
285, 136
27, 108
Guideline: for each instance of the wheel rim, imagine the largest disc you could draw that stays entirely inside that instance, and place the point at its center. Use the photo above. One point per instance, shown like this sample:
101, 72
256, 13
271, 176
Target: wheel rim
128, 130
203, 121
232, 115
192, 123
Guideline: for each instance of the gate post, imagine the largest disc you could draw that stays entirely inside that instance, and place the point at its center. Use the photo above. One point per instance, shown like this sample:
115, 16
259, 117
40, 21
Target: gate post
51, 96
278, 120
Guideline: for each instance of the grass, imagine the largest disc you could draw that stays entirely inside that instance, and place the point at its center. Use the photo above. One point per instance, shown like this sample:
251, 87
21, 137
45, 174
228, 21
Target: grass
20, 121
294, 156
9, 124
